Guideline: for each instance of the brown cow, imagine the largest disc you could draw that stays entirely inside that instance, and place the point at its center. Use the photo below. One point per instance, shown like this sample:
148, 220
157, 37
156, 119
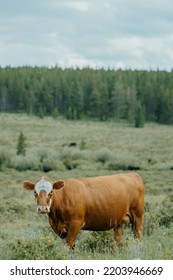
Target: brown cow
97, 204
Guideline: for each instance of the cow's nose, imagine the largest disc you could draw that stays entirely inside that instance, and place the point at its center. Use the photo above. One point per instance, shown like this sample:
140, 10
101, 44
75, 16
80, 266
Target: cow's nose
42, 209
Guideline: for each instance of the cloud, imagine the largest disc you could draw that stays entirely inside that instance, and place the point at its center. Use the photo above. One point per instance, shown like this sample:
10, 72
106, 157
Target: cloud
85, 32
142, 52
78, 5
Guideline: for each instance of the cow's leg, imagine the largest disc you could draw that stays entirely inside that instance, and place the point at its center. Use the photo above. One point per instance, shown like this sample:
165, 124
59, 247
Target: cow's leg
73, 231
118, 232
138, 227
137, 219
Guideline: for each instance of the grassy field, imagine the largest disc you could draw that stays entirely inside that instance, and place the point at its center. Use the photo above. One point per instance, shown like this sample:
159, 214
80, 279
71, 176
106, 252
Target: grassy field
101, 148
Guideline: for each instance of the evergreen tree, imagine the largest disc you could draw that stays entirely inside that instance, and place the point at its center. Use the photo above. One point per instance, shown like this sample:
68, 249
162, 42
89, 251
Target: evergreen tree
40, 113
55, 113
139, 115
21, 145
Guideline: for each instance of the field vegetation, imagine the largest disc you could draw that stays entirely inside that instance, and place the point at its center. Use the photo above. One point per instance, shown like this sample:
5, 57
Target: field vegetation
59, 148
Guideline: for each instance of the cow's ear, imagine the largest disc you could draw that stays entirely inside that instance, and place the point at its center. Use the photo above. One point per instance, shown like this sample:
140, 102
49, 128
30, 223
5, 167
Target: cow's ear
27, 185
58, 185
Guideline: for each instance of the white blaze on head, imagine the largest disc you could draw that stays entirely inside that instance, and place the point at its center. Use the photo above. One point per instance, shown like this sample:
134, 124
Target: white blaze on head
43, 185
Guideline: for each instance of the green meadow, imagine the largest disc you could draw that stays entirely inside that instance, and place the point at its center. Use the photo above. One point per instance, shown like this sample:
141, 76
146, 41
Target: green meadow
59, 148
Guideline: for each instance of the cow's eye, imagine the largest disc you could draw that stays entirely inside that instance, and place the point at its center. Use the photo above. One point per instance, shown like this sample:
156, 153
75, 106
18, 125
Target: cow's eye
35, 193
51, 193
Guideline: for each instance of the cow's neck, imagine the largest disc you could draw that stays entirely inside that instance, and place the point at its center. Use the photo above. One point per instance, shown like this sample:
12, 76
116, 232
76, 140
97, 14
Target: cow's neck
54, 208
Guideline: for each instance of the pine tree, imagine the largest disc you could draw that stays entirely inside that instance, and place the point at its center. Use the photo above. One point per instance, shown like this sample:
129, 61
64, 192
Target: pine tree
55, 113
139, 115
21, 145
40, 113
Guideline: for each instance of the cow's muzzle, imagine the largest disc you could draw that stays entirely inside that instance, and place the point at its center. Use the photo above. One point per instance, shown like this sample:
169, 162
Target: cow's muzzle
43, 209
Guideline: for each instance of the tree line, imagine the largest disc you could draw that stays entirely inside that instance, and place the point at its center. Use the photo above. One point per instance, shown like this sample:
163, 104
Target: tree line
132, 95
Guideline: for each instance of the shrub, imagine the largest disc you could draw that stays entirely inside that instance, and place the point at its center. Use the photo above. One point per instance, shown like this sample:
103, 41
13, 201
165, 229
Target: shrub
157, 215
49, 164
151, 219
4, 159
163, 165
103, 155
123, 161
40, 246
37, 158
72, 158
96, 241
83, 144
23, 163
43, 153
71, 154
165, 213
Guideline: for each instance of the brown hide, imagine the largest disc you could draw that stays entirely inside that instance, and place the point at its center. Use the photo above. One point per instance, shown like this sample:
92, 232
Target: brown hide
99, 203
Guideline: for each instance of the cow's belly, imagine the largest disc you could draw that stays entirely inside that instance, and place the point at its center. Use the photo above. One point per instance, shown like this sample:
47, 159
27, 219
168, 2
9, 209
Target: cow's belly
103, 221
99, 226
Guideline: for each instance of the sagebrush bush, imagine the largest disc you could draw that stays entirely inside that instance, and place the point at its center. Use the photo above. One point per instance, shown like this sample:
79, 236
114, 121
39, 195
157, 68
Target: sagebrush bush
37, 158
151, 219
72, 153
166, 165
23, 163
96, 241
156, 215
43, 152
123, 161
38, 247
103, 155
74, 157
165, 213
4, 159
49, 164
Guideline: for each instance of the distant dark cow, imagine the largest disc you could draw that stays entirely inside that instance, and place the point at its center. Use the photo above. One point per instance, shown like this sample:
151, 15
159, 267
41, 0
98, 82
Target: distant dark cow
71, 144
97, 204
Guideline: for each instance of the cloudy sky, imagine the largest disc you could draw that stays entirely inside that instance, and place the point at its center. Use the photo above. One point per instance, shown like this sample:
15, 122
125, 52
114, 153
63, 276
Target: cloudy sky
97, 33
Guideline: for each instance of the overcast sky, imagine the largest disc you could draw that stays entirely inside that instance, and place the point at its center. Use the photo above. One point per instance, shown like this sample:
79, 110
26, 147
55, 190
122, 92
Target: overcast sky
136, 34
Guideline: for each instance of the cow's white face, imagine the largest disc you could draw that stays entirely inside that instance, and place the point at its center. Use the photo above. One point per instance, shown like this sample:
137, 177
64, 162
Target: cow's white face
43, 190
43, 195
